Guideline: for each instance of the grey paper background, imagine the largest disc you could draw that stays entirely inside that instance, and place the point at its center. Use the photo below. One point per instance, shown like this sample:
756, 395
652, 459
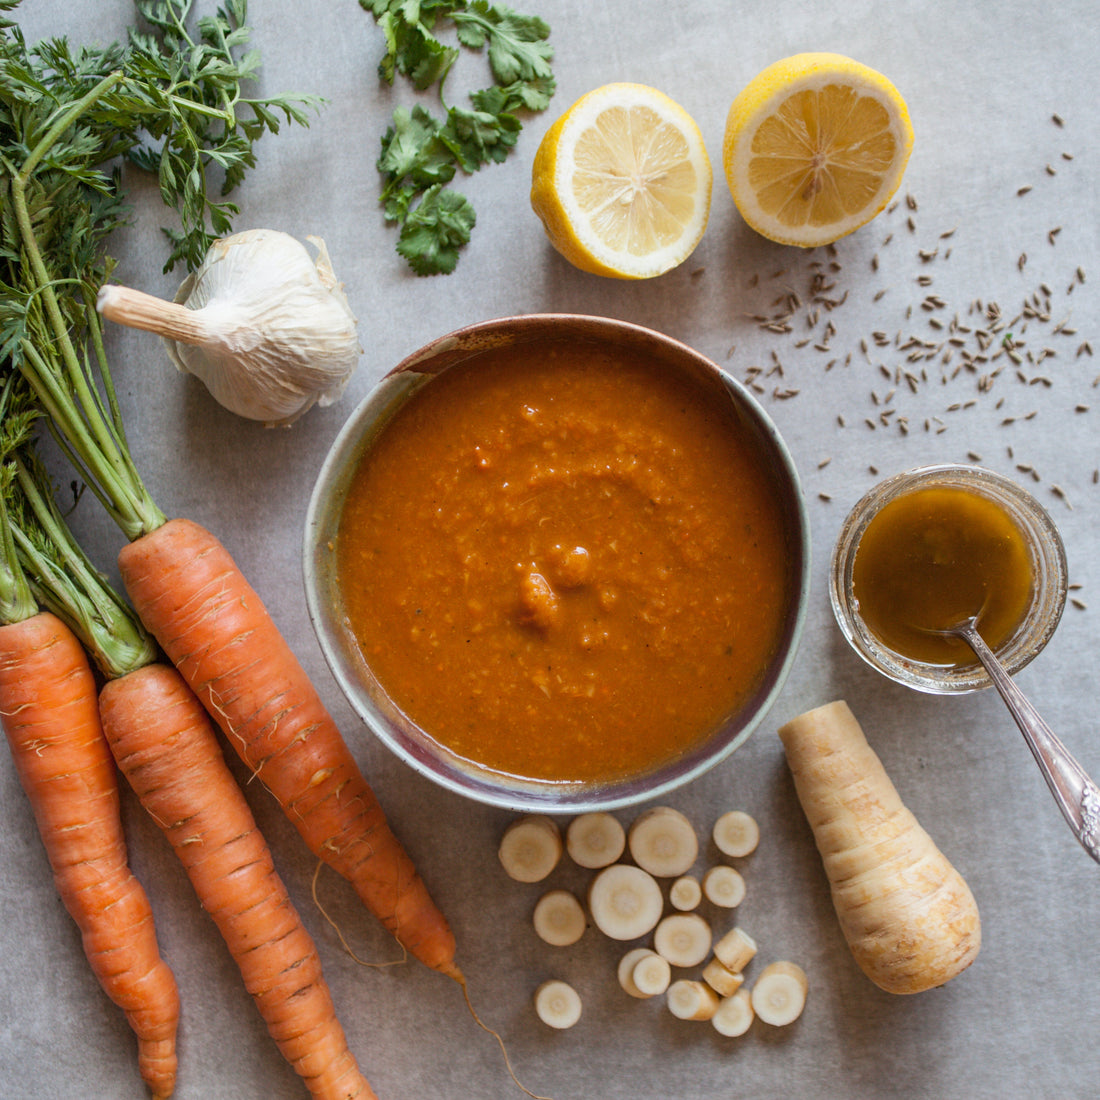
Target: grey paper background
982, 81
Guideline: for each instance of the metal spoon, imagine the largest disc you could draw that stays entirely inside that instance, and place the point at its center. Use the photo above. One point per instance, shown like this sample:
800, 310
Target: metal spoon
1078, 797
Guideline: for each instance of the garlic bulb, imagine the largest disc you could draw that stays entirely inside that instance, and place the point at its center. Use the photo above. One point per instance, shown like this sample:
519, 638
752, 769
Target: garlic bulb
267, 328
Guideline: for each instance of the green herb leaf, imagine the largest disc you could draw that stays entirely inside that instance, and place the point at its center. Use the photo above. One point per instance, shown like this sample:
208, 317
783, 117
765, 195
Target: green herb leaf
517, 43
435, 230
421, 152
413, 152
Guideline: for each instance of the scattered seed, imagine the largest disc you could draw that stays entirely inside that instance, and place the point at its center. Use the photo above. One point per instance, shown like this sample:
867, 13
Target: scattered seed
1023, 190
1078, 603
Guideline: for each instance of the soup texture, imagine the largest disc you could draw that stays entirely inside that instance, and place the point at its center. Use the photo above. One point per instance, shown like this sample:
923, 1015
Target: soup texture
565, 562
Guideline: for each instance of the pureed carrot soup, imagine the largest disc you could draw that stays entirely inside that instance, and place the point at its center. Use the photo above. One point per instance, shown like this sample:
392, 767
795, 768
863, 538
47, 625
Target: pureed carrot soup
565, 561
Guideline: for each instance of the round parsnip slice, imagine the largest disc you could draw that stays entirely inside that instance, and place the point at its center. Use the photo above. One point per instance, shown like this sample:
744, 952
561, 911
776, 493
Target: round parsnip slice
559, 918
651, 974
625, 902
685, 893
626, 970
779, 994
724, 886
662, 841
595, 840
683, 938
530, 848
736, 833
691, 1000
557, 1004
734, 1014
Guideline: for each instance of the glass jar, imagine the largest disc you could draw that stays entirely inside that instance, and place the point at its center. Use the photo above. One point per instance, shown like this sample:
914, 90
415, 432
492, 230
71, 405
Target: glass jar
1049, 583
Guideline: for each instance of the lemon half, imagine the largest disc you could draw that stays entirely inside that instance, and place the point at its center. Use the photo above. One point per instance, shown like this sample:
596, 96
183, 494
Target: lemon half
622, 182
815, 146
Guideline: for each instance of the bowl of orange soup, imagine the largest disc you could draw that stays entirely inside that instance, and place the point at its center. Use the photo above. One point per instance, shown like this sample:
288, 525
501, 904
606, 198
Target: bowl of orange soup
558, 562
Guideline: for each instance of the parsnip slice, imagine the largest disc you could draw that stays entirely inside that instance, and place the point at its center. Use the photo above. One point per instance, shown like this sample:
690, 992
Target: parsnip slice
595, 840
530, 848
685, 893
626, 970
557, 1004
559, 918
724, 886
721, 979
779, 993
734, 1015
736, 833
662, 841
683, 938
691, 1000
735, 950
625, 902
651, 974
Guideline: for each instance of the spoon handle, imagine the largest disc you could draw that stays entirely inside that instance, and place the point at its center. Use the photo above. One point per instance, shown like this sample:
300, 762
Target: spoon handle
1077, 795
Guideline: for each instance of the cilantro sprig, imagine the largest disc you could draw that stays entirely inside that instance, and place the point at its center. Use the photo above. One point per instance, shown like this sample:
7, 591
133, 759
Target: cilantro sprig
422, 152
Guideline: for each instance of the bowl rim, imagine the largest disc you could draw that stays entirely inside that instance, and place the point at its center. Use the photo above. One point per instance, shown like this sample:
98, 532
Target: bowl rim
370, 416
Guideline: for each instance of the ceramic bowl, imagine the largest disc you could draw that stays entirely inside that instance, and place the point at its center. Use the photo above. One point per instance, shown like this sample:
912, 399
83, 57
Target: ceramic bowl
387, 722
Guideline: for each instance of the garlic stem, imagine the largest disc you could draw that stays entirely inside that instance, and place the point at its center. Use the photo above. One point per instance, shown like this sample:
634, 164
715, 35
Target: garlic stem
136, 309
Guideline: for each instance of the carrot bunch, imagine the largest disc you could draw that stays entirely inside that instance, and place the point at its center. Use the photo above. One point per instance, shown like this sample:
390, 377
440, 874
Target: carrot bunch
50, 714
192, 599
147, 717
61, 200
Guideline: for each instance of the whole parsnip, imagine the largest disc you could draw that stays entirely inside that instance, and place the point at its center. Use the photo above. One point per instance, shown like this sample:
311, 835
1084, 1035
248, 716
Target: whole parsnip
906, 912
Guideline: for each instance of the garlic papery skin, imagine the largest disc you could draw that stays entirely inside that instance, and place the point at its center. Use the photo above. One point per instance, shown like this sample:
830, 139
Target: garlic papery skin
266, 327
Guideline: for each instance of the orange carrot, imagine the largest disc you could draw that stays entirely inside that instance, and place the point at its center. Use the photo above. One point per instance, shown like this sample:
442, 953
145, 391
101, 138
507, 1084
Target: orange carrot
192, 596
50, 715
165, 745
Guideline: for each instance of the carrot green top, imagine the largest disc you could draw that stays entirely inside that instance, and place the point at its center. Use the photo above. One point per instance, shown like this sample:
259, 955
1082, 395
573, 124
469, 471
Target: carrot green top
170, 101
55, 573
